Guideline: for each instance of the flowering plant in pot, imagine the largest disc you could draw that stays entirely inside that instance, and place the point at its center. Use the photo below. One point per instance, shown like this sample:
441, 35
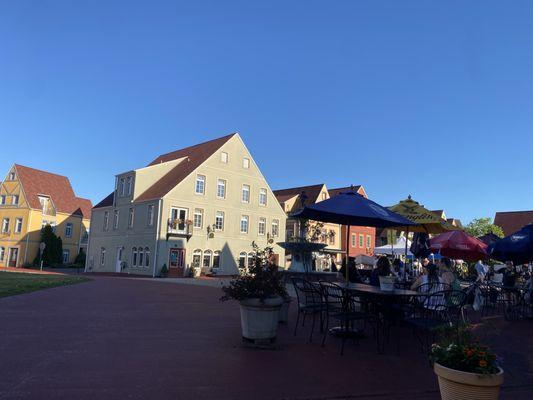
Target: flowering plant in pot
260, 292
465, 368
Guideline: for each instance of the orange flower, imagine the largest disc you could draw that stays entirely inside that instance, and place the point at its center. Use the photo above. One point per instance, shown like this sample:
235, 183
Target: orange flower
482, 363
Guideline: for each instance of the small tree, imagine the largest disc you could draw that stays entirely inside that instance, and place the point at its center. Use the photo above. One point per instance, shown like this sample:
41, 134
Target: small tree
80, 258
482, 226
53, 251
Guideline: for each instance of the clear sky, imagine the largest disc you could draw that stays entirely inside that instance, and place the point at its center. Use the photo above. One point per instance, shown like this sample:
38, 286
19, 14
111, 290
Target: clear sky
429, 98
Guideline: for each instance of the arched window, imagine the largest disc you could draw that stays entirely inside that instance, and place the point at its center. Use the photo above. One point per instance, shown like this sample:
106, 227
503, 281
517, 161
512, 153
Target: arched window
207, 259
242, 259
196, 257
216, 259
102, 256
141, 257
250, 263
146, 257
134, 256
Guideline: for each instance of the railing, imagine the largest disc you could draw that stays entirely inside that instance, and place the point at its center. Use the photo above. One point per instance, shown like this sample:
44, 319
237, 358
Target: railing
176, 227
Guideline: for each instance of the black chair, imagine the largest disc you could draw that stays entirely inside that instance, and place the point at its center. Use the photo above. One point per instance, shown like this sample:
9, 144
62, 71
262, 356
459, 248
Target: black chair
345, 309
310, 302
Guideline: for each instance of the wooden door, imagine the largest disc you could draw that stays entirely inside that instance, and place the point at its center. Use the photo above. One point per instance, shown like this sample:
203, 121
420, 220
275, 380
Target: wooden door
176, 262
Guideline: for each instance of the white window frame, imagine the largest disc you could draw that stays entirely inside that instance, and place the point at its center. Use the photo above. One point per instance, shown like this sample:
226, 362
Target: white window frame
246, 219
116, 216
368, 241
3, 199
262, 221
122, 186
275, 232
216, 254
5, 225
242, 259
246, 163
106, 221
102, 256
134, 256
129, 184
150, 215
221, 183
147, 257
361, 240
140, 257
354, 240
209, 254
68, 232
222, 215
263, 194
67, 252
224, 157
131, 217
245, 189
200, 179
12, 176
198, 212
2, 253
197, 253
15, 199
18, 225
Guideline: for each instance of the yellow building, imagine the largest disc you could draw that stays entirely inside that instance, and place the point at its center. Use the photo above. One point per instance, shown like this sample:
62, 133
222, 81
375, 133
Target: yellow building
31, 199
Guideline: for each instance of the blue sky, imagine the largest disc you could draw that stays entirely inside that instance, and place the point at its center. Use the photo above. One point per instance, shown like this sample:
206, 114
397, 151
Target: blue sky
428, 98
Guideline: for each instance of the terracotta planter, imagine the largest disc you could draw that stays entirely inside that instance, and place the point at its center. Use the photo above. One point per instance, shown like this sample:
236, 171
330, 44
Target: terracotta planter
459, 385
284, 311
259, 320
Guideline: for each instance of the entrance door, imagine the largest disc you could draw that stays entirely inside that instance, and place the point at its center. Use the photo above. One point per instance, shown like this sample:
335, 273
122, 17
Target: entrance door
176, 262
13, 256
178, 219
118, 267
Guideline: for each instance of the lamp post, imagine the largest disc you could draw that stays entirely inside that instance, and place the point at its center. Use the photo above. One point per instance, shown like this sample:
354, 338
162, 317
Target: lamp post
42, 246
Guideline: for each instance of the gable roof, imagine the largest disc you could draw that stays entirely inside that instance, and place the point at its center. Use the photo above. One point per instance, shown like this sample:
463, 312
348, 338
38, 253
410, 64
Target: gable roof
194, 157
36, 182
311, 191
358, 188
512, 221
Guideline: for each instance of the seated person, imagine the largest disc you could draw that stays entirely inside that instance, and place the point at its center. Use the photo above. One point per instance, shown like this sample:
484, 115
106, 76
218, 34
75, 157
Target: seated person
430, 276
447, 275
509, 275
383, 268
353, 274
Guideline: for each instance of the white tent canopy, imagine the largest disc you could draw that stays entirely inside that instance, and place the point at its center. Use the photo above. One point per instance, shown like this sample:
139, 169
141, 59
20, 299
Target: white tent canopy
397, 249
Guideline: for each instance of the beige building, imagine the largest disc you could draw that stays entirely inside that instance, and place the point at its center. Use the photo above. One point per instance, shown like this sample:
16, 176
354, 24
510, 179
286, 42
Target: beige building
29, 200
202, 206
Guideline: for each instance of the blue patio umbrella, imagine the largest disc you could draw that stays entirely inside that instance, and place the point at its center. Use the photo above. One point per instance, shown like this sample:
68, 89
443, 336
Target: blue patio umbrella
351, 209
517, 247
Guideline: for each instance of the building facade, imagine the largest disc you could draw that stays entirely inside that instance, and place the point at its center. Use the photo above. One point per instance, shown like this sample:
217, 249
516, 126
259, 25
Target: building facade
31, 199
200, 206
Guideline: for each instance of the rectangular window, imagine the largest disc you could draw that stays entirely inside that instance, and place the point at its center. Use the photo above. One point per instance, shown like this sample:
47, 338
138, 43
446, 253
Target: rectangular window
261, 228
246, 163
221, 189
219, 221
368, 240
2, 200
200, 184
68, 230
18, 225
102, 256
122, 186
11, 176
244, 223
354, 240
224, 157
2, 253
245, 193
198, 218
130, 184
15, 200
115, 220
361, 239
66, 256
106, 220
5, 225
150, 216
275, 228
131, 216
262, 197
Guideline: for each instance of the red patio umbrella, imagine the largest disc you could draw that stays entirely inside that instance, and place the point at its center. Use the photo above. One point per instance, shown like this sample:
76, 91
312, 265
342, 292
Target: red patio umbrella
459, 245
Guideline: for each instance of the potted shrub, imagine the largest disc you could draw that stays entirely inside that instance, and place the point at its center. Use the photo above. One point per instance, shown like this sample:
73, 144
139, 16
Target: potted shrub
164, 271
465, 368
260, 292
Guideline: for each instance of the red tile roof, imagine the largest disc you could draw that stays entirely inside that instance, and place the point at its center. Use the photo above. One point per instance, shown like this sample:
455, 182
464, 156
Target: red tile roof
196, 156
36, 182
512, 221
358, 188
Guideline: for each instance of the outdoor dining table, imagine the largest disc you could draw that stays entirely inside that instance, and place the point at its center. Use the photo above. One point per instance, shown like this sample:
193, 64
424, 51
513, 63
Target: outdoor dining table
386, 299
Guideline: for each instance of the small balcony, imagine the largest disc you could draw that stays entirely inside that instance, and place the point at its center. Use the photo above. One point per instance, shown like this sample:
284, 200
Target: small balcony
179, 228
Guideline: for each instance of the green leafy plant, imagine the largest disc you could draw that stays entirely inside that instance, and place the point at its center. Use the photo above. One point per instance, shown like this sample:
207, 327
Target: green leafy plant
261, 281
482, 226
164, 270
457, 349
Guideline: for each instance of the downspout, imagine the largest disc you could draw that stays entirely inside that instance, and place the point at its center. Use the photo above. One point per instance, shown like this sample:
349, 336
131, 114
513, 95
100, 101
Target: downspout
88, 243
157, 230
27, 237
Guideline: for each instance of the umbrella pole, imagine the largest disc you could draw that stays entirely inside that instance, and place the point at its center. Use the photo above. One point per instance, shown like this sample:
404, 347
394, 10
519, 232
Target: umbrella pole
405, 262
348, 228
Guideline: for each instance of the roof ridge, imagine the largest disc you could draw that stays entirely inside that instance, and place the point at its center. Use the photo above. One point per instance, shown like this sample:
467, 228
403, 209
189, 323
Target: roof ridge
299, 187
42, 171
510, 212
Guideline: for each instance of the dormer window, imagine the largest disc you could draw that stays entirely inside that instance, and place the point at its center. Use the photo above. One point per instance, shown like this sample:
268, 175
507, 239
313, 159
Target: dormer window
15, 200
129, 184
224, 157
122, 187
12, 176
44, 204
